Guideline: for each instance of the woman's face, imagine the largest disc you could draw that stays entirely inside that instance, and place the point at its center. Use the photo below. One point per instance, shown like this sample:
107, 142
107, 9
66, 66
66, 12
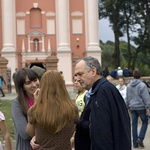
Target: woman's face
121, 82
31, 86
77, 85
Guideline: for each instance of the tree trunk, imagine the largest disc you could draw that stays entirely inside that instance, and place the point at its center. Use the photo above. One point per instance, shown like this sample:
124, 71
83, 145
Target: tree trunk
117, 48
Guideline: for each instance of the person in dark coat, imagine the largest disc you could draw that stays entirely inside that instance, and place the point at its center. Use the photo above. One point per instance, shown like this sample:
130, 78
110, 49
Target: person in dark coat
82, 135
113, 73
105, 72
109, 119
14, 75
126, 72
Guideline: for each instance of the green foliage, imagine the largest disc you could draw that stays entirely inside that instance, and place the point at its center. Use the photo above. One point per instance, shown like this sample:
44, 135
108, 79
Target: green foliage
142, 61
107, 52
144, 69
133, 19
5, 107
124, 51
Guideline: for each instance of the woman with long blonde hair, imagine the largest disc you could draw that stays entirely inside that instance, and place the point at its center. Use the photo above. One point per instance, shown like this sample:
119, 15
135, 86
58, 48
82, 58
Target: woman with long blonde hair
53, 117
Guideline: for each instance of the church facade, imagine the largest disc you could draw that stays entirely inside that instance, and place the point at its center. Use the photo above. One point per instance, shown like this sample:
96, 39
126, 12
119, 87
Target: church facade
33, 30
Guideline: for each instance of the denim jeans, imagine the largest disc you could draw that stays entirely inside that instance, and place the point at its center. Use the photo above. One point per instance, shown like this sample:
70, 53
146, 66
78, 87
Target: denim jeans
144, 118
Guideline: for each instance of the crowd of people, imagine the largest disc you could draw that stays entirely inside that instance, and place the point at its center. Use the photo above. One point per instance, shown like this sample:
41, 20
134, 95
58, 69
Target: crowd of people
137, 99
45, 117
119, 72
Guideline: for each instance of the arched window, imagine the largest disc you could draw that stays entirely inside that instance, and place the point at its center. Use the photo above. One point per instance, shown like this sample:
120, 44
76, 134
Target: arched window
35, 18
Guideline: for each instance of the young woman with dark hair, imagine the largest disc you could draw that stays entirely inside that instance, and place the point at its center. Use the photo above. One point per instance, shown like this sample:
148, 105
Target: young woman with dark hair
27, 82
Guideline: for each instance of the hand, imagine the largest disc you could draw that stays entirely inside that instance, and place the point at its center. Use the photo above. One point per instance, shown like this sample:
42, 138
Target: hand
147, 112
33, 144
72, 142
36, 93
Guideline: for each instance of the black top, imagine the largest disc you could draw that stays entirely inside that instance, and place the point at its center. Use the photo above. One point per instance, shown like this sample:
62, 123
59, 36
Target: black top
82, 136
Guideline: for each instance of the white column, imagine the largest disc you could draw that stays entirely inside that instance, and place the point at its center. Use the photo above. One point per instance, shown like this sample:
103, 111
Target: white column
49, 46
29, 49
62, 21
63, 39
43, 50
8, 25
91, 28
23, 47
92, 25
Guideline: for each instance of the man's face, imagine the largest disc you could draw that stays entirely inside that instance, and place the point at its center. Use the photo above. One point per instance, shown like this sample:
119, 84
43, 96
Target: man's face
84, 76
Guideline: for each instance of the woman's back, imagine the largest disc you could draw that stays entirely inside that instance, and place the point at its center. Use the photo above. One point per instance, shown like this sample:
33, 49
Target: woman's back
58, 141
53, 117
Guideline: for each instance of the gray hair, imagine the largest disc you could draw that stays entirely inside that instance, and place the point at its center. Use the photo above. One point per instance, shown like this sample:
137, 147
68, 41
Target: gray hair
92, 62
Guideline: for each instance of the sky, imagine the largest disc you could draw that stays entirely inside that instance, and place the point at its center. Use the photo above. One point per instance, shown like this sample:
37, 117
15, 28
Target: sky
105, 31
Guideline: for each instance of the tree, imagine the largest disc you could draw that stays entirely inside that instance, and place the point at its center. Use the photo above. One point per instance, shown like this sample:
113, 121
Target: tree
128, 17
107, 51
141, 21
111, 9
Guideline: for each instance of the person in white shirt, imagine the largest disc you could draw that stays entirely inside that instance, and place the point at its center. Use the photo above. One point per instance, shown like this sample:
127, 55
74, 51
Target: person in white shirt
122, 87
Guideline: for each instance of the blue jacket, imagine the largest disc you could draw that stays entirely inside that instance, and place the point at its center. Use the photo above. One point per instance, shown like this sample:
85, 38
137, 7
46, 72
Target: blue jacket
2, 80
110, 122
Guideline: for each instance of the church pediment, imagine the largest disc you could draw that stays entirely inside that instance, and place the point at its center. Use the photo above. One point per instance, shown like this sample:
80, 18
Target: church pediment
35, 33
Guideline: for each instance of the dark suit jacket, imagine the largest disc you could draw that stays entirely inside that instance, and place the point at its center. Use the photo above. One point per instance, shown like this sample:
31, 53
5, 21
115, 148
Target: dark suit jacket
110, 123
82, 136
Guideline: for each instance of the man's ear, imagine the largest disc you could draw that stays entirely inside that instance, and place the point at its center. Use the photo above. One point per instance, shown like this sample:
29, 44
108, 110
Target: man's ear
93, 71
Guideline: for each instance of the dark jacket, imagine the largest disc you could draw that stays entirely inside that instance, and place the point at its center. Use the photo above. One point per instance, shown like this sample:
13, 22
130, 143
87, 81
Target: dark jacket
105, 72
113, 74
110, 123
126, 72
82, 136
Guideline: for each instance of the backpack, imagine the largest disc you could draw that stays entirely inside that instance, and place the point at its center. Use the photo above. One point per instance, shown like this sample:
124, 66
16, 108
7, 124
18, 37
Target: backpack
0, 81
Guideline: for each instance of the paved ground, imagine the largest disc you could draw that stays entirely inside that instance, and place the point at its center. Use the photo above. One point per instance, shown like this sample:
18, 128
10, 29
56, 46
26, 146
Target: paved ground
146, 141
72, 95
9, 96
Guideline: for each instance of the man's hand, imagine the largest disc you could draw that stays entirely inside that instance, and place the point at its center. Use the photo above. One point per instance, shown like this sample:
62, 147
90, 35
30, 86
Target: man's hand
72, 142
33, 143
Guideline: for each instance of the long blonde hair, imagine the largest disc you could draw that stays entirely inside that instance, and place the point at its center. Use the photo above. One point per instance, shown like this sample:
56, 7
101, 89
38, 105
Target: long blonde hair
53, 109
